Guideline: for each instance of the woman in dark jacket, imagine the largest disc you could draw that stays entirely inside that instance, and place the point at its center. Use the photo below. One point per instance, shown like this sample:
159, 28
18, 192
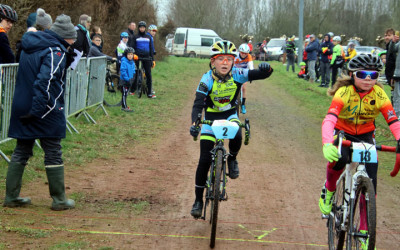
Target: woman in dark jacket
8, 17
38, 109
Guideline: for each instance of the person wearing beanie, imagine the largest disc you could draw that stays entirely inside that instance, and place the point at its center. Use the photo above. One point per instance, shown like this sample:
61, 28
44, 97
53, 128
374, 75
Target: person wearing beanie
83, 41
31, 21
38, 110
43, 20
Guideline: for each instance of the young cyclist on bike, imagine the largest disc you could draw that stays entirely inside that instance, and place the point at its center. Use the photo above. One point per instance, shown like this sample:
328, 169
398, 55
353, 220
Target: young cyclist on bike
127, 75
217, 95
245, 61
357, 101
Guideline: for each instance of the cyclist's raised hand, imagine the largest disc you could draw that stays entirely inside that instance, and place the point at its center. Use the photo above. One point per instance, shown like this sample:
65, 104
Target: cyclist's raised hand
330, 152
194, 130
264, 66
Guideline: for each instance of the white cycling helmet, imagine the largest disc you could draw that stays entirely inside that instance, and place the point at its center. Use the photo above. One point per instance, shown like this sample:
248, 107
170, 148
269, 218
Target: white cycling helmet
337, 39
244, 48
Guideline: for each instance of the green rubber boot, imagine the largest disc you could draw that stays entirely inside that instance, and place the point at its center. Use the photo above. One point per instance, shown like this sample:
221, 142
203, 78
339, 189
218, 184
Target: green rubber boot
55, 176
13, 186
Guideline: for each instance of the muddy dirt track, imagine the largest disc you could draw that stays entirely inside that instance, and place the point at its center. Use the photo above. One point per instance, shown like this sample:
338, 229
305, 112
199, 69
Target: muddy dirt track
272, 205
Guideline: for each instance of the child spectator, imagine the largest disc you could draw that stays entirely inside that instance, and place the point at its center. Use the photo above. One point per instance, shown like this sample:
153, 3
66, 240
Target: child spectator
121, 48
382, 55
127, 75
302, 74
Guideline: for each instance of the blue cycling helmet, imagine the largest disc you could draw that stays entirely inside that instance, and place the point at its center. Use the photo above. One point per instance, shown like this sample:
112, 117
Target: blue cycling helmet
124, 34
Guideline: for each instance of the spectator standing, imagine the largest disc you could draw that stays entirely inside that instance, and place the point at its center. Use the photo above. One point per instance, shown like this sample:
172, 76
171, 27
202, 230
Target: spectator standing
83, 41
8, 17
96, 30
127, 75
38, 110
390, 56
121, 47
395, 77
312, 51
325, 63
95, 49
152, 32
305, 58
43, 20
338, 56
290, 53
131, 32
250, 44
143, 48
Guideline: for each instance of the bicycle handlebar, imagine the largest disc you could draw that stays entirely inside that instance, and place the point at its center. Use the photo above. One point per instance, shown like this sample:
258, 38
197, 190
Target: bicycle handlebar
245, 125
385, 148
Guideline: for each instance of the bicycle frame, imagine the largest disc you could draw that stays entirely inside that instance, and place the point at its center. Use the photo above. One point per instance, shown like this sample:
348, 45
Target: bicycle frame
350, 189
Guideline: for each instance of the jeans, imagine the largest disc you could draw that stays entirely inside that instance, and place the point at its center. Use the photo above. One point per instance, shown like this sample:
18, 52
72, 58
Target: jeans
290, 61
51, 147
311, 69
325, 73
396, 97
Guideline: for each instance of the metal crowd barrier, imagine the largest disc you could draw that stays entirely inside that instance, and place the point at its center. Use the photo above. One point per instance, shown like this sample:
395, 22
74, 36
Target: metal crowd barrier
84, 89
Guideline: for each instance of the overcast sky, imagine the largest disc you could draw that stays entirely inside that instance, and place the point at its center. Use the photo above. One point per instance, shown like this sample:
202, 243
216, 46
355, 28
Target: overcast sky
162, 7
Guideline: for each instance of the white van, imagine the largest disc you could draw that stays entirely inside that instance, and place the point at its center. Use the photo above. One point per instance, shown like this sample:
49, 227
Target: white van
193, 42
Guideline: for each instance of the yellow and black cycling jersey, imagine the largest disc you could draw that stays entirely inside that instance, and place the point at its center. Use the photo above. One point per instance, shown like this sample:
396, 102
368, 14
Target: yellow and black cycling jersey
219, 96
357, 113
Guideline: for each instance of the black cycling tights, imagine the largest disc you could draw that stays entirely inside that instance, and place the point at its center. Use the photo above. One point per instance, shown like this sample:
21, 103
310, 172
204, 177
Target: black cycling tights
205, 160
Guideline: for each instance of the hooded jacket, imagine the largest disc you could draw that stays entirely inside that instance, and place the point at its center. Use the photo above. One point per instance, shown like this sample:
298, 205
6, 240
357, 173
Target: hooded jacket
326, 49
39, 88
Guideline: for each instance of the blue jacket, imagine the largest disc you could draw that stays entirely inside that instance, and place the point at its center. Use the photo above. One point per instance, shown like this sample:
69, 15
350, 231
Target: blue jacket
127, 69
143, 45
39, 89
325, 56
312, 50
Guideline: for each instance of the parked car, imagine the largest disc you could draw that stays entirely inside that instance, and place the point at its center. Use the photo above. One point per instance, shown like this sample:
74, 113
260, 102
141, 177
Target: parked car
276, 46
368, 50
193, 42
168, 45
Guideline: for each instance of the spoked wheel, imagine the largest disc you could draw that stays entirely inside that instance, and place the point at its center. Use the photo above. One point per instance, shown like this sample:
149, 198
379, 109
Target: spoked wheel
139, 83
216, 195
112, 97
335, 234
366, 204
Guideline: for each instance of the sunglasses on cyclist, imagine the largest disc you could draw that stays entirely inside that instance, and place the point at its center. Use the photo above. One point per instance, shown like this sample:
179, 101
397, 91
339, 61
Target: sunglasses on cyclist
225, 58
363, 74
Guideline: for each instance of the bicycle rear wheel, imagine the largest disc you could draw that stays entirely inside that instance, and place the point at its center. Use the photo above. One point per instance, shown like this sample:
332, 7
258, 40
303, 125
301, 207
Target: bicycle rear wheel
364, 200
216, 195
335, 234
112, 97
139, 83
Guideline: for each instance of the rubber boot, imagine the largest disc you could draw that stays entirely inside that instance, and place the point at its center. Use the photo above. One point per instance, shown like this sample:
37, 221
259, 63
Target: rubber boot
55, 176
13, 186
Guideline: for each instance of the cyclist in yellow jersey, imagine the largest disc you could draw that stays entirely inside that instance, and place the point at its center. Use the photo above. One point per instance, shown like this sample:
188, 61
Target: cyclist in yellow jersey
217, 94
357, 101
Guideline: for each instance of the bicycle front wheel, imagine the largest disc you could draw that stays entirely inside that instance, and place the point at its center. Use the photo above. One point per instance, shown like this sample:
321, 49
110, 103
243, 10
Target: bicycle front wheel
362, 211
335, 234
216, 195
112, 97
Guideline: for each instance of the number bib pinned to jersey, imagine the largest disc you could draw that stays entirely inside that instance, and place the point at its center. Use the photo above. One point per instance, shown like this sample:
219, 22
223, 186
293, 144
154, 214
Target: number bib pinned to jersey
364, 152
224, 129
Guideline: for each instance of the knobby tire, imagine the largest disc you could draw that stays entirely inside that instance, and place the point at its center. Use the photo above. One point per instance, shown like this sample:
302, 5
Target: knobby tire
216, 196
336, 236
366, 188
139, 83
112, 99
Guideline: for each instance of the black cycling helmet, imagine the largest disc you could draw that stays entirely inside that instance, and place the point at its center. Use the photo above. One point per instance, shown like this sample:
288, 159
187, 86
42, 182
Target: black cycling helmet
142, 23
8, 13
129, 50
365, 62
